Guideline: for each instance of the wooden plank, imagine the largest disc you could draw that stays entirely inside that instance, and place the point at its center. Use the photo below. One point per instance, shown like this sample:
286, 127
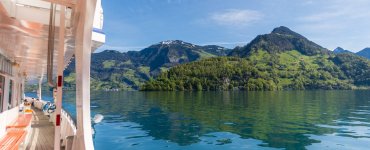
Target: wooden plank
42, 132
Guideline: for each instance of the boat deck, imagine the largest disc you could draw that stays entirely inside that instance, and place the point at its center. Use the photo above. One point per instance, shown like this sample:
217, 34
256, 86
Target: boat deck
42, 132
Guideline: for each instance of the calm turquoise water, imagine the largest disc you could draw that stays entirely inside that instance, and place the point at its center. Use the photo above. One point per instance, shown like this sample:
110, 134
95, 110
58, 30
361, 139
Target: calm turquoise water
231, 120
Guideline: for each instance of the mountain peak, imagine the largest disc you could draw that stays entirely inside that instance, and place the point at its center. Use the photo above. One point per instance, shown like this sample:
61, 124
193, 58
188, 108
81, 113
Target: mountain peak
174, 43
285, 31
339, 48
281, 29
170, 42
110, 51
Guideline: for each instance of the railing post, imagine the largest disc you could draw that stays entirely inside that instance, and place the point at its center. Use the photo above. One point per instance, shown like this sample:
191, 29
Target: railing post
69, 142
59, 85
85, 11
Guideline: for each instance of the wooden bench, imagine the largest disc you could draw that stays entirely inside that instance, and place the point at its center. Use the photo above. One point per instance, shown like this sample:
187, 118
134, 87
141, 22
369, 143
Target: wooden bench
21, 122
12, 139
15, 133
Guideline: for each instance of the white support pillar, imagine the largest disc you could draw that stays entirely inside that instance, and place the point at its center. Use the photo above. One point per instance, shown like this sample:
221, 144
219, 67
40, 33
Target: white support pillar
6, 94
22, 92
85, 12
16, 98
59, 85
39, 90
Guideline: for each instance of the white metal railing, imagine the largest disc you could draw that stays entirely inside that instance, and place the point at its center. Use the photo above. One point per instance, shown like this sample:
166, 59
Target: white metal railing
68, 126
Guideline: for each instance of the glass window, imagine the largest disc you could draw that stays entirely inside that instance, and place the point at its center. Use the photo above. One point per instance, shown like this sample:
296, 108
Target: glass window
5, 65
10, 94
2, 82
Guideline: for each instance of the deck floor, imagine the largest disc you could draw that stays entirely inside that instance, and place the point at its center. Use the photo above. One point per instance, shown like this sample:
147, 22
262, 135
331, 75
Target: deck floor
42, 132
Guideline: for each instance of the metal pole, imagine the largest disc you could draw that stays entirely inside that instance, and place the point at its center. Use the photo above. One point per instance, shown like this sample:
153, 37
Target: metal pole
58, 103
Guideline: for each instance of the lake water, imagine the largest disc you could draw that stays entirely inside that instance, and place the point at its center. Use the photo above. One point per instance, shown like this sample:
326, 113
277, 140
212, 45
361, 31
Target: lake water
230, 120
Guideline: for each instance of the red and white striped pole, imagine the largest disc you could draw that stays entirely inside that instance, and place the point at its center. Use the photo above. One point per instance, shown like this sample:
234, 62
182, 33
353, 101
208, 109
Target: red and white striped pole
59, 87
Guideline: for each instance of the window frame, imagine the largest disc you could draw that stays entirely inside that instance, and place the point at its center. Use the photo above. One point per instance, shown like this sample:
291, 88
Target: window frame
11, 94
2, 97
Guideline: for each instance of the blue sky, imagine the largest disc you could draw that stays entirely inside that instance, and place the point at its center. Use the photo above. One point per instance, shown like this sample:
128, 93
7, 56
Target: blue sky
136, 24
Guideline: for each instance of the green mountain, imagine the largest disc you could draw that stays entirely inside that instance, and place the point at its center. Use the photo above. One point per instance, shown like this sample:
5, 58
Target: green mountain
364, 53
280, 60
111, 69
281, 39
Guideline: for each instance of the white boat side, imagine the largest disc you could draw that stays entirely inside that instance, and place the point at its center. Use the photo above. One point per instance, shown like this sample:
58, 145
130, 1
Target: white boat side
38, 39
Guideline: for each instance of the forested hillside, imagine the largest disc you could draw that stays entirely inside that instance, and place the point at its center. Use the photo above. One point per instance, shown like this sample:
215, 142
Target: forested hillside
280, 60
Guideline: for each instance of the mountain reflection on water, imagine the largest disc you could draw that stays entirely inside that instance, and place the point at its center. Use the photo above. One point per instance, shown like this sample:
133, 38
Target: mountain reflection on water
231, 120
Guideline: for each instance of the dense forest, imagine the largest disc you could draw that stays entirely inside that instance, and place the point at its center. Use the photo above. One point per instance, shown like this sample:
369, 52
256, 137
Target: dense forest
262, 71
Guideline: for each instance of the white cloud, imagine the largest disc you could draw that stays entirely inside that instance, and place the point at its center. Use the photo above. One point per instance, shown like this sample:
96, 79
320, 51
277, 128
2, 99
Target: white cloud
335, 10
338, 23
322, 26
322, 16
308, 2
236, 17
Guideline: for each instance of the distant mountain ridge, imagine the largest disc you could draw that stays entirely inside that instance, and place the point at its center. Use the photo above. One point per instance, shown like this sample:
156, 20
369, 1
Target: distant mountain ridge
339, 50
173, 52
363, 53
111, 69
